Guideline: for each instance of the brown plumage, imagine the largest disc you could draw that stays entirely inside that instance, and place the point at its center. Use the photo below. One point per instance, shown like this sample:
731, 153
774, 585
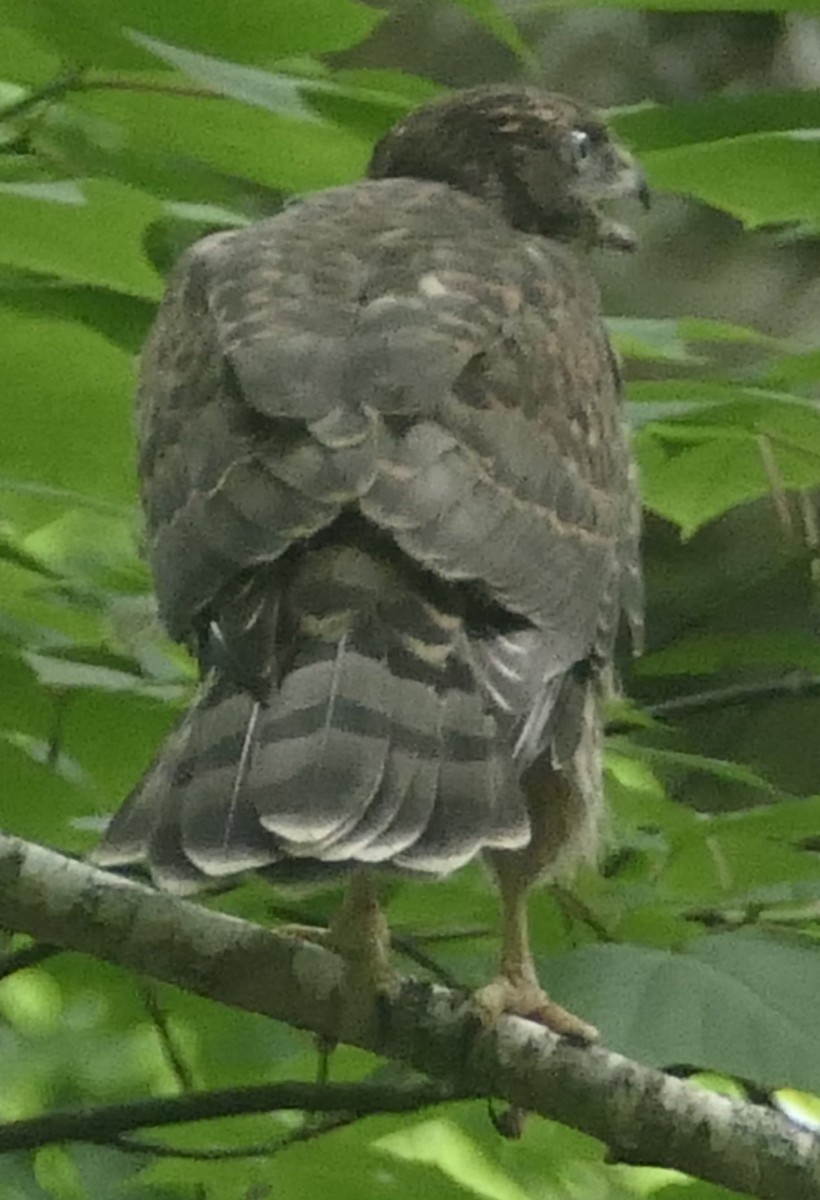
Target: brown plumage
390, 504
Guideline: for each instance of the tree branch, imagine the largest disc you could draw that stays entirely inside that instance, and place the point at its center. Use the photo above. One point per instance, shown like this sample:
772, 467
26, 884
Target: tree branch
642, 1115
105, 1122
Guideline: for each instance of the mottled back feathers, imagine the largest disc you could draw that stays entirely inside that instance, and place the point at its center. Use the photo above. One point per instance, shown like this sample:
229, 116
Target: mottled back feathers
389, 503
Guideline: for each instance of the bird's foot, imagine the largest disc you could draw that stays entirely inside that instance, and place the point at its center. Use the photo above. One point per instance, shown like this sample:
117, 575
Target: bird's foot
318, 934
524, 997
365, 950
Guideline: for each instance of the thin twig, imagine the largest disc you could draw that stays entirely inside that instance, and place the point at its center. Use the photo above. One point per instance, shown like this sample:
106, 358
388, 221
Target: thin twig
105, 1122
305, 1133
792, 686
76, 80
407, 945
171, 1051
574, 907
29, 956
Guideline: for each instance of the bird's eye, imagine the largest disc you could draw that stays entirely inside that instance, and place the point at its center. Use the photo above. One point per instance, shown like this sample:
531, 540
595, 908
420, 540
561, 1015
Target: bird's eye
581, 143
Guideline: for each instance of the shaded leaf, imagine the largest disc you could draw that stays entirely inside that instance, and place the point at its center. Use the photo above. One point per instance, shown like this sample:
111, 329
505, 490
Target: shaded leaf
492, 17
716, 652
743, 1004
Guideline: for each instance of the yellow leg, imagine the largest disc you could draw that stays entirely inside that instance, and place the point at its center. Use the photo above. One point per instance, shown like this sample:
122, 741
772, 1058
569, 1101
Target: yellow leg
359, 934
516, 988
556, 813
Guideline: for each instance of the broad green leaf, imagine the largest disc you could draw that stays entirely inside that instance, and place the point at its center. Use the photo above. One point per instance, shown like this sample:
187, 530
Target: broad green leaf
98, 551
95, 243
440, 1143
691, 485
278, 93
123, 320
701, 329
787, 821
742, 1003
236, 138
760, 178
652, 127
671, 339
43, 752
246, 31
25, 58
717, 652
38, 802
348, 1156
89, 145
653, 338
67, 672
722, 769
19, 1178
800, 370
721, 864
60, 192
36, 615
67, 395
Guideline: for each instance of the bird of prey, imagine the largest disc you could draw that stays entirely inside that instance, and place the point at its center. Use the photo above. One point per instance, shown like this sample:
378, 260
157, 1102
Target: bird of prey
390, 504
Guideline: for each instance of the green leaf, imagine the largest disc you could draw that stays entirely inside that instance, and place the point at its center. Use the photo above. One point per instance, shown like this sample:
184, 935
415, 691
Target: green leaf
709, 653
123, 320
440, 1143
60, 192
654, 338
651, 127
236, 139
720, 768
277, 93
760, 178
787, 821
492, 17
246, 31
692, 485
743, 1004
68, 673
800, 370
96, 552
65, 387
96, 243
724, 864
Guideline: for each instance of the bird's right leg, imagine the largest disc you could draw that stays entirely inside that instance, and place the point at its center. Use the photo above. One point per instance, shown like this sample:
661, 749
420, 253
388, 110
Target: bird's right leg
558, 818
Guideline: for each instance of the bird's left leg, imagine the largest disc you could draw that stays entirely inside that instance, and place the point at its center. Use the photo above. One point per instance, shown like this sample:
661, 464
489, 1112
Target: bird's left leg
558, 817
359, 934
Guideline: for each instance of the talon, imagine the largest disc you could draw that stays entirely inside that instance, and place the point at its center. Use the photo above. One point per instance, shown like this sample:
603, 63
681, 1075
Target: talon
525, 998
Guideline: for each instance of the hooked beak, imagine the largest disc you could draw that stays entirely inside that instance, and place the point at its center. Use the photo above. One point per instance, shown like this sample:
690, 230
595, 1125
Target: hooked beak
633, 179
643, 193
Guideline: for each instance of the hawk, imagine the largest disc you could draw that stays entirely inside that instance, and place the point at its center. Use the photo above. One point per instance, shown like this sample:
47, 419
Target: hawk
390, 505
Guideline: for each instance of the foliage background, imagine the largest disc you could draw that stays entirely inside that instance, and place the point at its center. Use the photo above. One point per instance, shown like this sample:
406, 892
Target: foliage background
697, 945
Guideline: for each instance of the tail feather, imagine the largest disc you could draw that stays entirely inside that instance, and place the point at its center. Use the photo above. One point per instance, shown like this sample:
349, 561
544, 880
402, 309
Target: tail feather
411, 777
324, 747
469, 811
219, 828
369, 737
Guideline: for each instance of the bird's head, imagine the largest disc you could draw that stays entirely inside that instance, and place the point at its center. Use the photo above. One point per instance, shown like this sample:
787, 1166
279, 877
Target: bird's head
545, 161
